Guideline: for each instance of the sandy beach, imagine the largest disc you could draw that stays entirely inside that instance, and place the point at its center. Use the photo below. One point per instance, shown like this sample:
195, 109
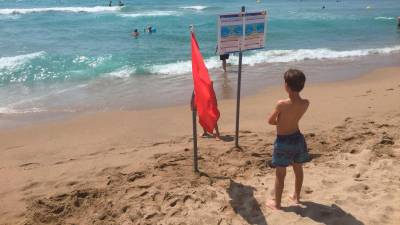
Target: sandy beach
135, 167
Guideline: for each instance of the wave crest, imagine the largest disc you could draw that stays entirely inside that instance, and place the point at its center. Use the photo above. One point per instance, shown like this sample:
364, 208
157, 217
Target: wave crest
15, 61
194, 7
150, 14
60, 9
273, 56
122, 73
384, 18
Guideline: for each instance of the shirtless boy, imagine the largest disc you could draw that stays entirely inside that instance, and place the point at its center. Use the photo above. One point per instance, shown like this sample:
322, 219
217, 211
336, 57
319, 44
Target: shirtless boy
290, 147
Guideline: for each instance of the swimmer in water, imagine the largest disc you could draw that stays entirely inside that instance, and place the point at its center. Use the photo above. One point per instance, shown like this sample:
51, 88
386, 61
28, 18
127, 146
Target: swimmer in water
148, 29
120, 3
135, 33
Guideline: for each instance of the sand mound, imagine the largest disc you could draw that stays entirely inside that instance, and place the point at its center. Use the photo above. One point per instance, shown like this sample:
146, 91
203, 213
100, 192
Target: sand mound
234, 184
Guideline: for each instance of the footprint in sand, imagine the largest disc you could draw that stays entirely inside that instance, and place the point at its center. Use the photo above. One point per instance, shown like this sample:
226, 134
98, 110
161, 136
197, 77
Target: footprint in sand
134, 176
30, 186
14, 147
72, 183
29, 166
328, 183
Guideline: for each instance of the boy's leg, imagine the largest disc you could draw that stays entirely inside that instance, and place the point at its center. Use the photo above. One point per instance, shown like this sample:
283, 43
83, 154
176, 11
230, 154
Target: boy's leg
298, 172
224, 65
279, 184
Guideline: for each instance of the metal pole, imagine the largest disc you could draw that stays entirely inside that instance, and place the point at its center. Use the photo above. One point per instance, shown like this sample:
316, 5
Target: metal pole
238, 92
194, 116
194, 121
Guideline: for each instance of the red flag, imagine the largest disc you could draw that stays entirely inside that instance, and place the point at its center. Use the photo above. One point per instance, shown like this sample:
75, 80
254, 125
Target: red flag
205, 100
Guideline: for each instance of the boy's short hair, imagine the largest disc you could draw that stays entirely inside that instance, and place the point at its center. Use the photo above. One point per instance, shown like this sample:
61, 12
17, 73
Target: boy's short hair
295, 79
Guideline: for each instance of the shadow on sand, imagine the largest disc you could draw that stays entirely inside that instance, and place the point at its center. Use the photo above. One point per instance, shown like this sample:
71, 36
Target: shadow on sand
227, 138
329, 215
224, 138
244, 203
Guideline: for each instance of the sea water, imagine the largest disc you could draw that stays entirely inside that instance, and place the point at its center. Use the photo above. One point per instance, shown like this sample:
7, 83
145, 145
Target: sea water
70, 55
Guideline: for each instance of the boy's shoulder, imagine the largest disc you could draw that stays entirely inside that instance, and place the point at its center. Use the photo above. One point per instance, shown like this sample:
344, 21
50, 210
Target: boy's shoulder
306, 101
287, 102
283, 103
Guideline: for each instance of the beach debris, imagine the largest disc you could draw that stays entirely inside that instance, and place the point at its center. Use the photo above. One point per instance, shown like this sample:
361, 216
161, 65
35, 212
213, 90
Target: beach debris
386, 140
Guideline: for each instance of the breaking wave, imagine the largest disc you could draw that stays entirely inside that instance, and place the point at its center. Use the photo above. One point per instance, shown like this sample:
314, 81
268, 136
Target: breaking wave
60, 9
15, 61
151, 14
274, 56
194, 7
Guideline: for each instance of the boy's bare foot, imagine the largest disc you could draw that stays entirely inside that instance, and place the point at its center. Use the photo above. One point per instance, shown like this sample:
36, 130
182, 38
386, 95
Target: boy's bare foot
217, 137
272, 205
295, 200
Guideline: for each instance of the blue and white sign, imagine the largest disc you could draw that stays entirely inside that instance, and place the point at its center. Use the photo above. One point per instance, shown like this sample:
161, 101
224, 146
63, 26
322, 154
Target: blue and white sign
241, 31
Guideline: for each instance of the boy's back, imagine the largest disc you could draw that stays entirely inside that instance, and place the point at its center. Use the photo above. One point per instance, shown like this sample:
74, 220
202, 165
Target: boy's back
290, 113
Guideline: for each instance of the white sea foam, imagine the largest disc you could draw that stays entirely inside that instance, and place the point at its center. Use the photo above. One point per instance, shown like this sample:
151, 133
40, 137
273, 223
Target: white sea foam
274, 56
60, 9
194, 7
92, 62
9, 110
151, 14
182, 67
15, 61
282, 56
384, 18
122, 73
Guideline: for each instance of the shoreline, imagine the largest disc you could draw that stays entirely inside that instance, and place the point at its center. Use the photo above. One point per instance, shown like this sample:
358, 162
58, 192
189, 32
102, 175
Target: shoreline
82, 153
255, 79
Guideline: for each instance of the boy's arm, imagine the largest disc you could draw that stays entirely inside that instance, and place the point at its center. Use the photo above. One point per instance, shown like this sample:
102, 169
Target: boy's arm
273, 118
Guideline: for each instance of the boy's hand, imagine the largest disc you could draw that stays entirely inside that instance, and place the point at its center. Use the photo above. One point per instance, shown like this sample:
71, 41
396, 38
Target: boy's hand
273, 118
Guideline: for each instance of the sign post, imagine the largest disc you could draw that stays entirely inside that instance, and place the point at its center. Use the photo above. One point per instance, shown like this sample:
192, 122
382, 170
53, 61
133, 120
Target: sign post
239, 83
238, 33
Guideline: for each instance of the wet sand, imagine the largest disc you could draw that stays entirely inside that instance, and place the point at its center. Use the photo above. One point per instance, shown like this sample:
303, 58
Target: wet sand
135, 167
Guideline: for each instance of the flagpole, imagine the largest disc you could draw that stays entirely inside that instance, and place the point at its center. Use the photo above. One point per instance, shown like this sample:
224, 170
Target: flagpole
194, 121
238, 89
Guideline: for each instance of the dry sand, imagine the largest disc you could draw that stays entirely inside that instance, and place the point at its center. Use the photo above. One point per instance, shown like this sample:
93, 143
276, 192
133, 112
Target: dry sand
135, 167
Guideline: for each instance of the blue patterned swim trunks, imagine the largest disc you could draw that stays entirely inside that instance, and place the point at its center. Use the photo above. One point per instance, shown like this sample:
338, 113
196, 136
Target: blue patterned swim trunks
289, 149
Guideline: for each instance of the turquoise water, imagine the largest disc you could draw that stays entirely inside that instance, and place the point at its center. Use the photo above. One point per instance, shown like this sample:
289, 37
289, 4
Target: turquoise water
58, 46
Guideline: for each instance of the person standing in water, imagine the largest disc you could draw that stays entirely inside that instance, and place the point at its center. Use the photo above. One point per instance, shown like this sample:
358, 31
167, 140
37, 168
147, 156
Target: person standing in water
398, 22
110, 3
223, 58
